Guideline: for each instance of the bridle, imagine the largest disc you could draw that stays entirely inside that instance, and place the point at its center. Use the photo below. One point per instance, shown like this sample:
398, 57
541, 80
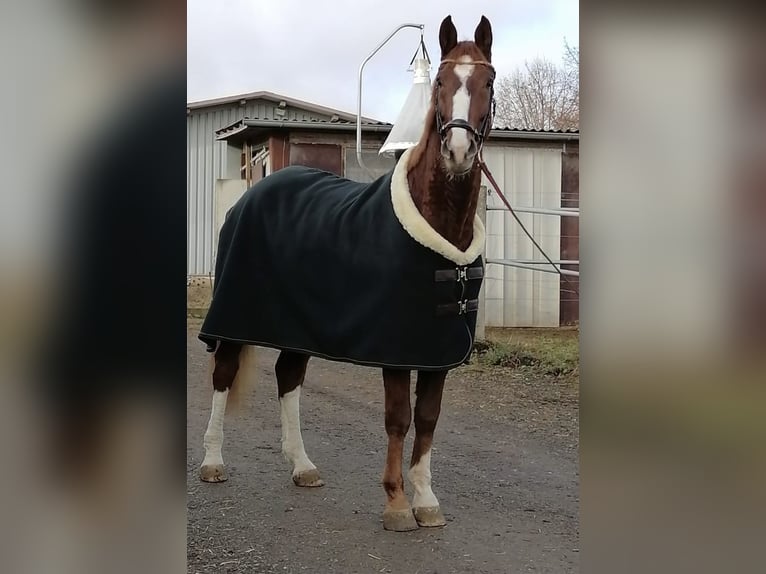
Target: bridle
486, 124
479, 136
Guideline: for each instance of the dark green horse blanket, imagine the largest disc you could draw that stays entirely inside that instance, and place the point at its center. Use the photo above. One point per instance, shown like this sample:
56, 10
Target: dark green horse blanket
312, 262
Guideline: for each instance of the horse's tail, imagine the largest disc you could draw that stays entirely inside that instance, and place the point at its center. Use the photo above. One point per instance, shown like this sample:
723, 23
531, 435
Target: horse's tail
243, 381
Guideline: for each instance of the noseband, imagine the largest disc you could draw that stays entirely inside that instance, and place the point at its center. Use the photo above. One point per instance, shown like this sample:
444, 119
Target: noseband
477, 135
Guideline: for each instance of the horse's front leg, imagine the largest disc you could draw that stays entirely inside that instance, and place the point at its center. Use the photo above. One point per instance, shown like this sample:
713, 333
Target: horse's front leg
398, 513
427, 407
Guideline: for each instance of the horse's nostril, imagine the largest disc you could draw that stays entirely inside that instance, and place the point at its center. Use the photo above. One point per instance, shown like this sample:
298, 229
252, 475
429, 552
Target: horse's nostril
446, 151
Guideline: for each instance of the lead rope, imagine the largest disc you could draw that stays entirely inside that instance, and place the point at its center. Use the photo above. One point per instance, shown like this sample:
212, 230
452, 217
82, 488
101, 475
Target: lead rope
491, 179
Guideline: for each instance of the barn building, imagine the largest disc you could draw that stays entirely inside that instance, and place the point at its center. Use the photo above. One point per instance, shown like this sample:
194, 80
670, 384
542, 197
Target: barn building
235, 141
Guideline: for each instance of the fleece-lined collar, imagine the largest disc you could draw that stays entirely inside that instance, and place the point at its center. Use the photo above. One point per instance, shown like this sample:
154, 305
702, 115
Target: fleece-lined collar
419, 229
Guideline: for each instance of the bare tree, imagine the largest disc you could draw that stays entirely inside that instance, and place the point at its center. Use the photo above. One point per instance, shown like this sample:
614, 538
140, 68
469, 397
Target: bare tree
542, 95
572, 58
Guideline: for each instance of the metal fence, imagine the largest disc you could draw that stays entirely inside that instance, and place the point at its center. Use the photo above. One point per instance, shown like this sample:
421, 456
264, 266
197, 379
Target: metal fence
536, 264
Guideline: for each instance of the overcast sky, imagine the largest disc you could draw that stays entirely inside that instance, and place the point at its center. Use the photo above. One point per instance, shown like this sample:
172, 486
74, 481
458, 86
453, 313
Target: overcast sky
312, 50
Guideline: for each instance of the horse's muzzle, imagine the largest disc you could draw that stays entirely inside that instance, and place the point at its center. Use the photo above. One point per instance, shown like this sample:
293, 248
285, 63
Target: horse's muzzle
459, 152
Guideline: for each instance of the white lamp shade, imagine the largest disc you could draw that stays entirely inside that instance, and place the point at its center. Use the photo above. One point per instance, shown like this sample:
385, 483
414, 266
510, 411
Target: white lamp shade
409, 124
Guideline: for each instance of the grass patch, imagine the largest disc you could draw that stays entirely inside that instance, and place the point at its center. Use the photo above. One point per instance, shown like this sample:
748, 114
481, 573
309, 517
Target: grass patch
552, 355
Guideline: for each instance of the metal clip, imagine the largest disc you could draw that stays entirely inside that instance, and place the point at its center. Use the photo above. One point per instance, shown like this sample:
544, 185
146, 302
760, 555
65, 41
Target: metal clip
463, 307
462, 274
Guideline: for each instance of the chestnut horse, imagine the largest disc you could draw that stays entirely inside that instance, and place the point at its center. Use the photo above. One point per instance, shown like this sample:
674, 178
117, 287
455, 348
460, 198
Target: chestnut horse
444, 179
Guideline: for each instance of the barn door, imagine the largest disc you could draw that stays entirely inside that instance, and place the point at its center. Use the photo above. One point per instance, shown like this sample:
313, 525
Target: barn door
327, 157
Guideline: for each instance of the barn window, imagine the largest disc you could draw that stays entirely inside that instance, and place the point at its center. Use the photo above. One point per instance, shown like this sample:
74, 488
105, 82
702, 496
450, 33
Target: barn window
327, 157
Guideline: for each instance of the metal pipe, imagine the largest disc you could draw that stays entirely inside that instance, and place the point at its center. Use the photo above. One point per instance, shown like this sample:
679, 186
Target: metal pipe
359, 95
512, 263
544, 262
564, 212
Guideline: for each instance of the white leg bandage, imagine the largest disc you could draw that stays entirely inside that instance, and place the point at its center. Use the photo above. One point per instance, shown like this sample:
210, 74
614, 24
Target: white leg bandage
420, 477
292, 441
214, 434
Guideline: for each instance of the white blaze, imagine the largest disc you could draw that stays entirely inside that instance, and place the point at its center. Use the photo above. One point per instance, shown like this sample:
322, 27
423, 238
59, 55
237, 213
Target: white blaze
420, 477
461, 104
214, 434
292, 441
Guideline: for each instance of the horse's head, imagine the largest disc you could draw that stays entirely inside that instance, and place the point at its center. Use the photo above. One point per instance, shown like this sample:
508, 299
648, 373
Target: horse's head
463, 95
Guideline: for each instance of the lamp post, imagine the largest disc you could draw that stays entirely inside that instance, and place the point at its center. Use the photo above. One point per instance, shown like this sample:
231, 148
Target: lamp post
359, 96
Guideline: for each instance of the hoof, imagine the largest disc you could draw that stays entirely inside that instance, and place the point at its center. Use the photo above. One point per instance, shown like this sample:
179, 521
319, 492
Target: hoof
429, 516
213, 473
308, 478
399, 520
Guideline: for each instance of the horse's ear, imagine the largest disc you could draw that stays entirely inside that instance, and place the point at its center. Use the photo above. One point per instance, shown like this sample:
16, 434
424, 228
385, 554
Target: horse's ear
483, 38
447, 36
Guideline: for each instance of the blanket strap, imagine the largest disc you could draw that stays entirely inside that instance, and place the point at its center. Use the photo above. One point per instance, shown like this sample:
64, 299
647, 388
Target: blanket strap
459, 274
460, 308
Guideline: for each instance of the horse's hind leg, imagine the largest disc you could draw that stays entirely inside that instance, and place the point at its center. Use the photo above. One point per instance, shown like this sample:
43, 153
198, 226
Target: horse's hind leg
291, 370
226, 366
429, 389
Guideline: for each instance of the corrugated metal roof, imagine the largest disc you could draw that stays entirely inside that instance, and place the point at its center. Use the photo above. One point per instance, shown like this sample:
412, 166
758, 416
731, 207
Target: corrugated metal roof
510, 129
506, 133
246, 124
254, 126
271, 96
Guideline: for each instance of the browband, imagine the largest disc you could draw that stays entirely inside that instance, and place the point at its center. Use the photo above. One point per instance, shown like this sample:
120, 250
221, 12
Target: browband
471, 63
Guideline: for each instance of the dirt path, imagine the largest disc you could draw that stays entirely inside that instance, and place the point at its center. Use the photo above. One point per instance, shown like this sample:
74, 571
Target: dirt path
507, 478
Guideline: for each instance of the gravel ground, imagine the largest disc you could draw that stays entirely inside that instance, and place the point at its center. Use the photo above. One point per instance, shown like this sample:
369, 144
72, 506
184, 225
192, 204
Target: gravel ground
504, 468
